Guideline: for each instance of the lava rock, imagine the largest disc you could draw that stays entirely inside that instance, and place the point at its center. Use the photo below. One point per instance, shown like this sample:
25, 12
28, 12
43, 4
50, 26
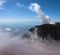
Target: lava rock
45, 30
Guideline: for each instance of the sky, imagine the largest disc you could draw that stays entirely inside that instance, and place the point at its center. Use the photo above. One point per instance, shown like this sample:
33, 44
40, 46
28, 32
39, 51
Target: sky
18, 10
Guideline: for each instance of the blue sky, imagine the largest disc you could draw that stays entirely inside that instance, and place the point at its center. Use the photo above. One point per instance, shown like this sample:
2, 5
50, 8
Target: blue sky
18, 11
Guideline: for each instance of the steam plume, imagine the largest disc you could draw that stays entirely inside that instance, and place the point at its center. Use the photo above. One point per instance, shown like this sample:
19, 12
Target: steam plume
36, 8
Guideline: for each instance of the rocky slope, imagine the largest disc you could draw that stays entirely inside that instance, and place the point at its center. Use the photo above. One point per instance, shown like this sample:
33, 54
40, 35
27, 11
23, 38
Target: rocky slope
47, 31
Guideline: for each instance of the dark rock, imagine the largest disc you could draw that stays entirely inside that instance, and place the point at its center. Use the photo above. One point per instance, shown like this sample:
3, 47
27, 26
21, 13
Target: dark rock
27, 35
45, 30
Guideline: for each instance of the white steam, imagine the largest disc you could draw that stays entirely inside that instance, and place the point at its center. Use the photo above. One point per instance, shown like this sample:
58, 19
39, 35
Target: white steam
36, 8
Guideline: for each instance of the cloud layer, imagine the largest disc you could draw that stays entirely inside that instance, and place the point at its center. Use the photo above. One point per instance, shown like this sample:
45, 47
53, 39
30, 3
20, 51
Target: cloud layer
16, 46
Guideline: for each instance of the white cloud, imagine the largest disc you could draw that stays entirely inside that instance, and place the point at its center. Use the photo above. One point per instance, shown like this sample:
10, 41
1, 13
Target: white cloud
2, 2
19, 5
36, 8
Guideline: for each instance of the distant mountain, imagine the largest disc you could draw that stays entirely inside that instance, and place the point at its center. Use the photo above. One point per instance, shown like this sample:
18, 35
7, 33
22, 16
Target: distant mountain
47, 30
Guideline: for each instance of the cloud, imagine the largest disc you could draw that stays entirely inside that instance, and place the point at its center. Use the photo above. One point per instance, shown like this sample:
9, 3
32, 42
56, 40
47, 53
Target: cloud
10, 45
34, 7
2, 2
19, 5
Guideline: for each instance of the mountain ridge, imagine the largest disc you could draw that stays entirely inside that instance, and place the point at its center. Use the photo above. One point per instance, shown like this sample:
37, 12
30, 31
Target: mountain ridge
45, 30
